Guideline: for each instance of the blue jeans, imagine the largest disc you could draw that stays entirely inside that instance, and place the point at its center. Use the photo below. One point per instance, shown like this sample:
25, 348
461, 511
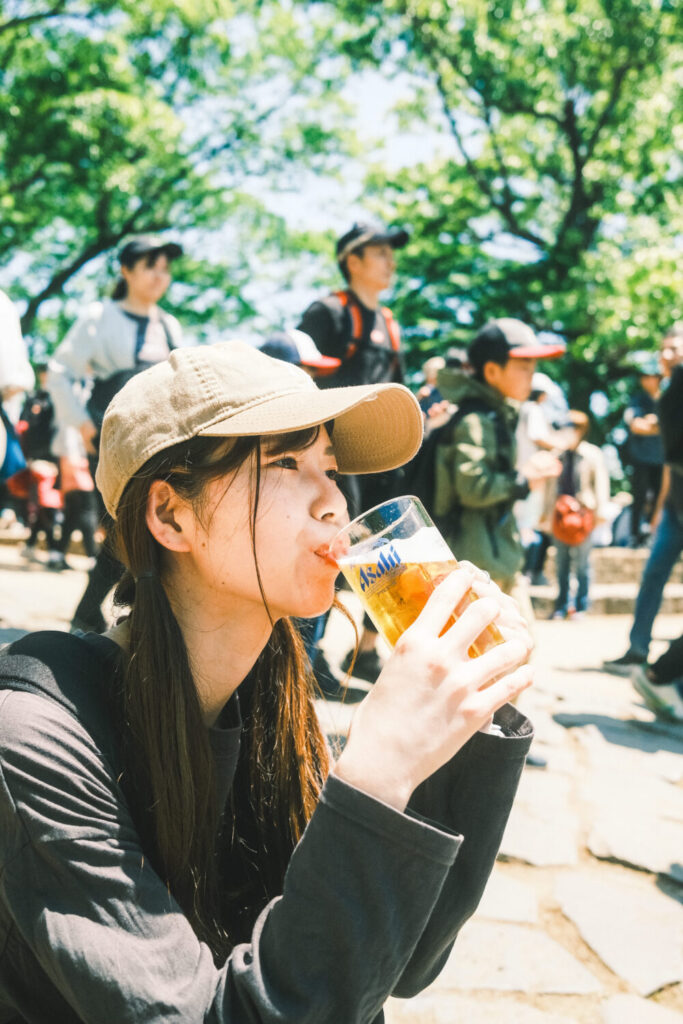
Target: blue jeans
579, 555
667, 547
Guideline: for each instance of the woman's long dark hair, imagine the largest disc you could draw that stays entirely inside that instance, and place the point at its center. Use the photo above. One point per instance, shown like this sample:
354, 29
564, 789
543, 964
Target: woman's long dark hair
168, 764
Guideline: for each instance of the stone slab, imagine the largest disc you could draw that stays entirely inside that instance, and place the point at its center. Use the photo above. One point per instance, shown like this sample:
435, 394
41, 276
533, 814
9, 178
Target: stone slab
633, 796
513, 958
633, 1010
651, 843
542, 836
634, 929
507, 899
430, 1009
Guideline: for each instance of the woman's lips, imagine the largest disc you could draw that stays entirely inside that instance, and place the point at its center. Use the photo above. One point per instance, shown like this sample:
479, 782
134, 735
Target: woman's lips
325, 553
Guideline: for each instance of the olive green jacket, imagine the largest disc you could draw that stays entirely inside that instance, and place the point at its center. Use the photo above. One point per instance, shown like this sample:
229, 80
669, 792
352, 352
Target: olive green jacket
476, 482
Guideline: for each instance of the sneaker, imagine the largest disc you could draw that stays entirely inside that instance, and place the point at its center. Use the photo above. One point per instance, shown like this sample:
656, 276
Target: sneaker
559, 615
368, 665
56, 561
325, 677
622, 666
330, 686
662, 698
536, 760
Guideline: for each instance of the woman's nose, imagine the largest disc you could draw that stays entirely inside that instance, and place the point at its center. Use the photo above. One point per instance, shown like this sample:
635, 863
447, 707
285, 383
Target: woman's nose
330, 503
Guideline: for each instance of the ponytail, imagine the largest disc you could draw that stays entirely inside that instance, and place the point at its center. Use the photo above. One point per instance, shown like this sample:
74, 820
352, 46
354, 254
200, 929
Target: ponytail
120, 289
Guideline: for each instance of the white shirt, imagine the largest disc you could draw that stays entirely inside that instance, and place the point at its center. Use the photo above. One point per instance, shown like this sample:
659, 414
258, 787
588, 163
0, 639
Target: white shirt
101, 342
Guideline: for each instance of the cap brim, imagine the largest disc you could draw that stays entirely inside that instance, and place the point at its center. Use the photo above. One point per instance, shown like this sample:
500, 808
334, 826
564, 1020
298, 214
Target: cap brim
376, 427
396, 239
170, 249
538, 351
322, 363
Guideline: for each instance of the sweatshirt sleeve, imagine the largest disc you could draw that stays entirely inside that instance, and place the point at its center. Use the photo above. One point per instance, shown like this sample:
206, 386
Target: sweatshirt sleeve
103, 929
72, 362
478, 482
471, 795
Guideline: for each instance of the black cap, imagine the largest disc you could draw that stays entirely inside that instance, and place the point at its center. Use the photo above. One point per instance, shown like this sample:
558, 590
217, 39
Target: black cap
143, 245
370, 234
501, 339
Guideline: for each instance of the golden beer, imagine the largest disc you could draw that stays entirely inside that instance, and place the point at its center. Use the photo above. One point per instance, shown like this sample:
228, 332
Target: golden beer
394, 593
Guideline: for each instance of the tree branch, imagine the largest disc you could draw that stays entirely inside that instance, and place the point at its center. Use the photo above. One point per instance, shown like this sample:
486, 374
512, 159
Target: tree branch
53, 12
504, 208
615, 93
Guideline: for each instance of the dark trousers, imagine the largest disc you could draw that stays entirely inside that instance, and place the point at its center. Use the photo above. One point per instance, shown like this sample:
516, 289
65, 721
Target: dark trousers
105, 574
645, 483
80, 513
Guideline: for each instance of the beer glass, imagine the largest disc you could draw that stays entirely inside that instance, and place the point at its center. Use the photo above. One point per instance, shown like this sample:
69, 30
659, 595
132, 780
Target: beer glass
393, 557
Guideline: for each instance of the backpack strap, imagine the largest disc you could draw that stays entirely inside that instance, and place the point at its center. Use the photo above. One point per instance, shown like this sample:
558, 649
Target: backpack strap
355, 316
164, 321
392, 327
77, 672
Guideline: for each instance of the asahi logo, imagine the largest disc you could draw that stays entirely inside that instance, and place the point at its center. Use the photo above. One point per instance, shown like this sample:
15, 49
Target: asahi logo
388, 561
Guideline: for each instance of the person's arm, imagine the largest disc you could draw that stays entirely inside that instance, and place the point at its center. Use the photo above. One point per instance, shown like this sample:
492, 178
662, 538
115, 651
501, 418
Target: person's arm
600, 484
671, 420
72, 362
478, 482
661, 497
114, 944
16, 373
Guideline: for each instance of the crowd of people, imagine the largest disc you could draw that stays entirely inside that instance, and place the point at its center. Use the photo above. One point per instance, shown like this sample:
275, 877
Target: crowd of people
191, 794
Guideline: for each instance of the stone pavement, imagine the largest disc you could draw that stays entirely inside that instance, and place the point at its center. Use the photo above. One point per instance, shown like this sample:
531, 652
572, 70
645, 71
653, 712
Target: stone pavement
582, 921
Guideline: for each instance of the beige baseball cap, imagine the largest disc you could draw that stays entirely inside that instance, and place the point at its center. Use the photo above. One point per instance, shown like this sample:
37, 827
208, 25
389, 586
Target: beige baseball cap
232, 390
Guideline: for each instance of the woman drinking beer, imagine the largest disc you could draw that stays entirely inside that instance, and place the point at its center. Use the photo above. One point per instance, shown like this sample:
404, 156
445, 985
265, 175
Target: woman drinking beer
175, 841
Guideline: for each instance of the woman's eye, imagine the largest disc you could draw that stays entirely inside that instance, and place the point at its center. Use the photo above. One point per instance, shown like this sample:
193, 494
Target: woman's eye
286, 462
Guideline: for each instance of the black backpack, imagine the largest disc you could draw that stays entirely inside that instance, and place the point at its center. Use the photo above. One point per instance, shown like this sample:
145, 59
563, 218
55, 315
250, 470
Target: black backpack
419, 475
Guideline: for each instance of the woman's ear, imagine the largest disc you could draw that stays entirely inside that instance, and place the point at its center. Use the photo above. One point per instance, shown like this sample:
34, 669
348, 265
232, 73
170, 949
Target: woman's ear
169, 518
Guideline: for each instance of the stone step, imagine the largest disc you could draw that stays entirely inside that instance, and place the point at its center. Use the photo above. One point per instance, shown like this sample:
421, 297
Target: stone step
609, 599
616, 565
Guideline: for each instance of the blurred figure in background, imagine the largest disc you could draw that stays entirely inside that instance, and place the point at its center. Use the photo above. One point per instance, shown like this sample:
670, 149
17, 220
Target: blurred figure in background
584, 477
111, 342
668, 517
477, 480
429, 393
644, 453
37, 484
16, 377
352, 325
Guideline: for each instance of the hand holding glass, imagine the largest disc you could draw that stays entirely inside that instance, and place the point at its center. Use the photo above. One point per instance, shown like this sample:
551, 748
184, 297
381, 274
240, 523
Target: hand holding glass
393, 557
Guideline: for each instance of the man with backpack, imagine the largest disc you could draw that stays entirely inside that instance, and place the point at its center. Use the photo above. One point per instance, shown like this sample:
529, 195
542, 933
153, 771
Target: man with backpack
352, 326
476, 483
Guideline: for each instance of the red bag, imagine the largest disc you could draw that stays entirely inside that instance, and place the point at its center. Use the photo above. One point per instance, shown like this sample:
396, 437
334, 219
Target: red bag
572, 522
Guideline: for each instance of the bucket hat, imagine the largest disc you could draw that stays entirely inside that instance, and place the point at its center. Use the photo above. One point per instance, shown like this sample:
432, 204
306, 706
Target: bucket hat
231, 389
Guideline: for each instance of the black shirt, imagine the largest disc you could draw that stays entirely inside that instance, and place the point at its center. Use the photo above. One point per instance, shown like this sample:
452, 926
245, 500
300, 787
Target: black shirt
374, 360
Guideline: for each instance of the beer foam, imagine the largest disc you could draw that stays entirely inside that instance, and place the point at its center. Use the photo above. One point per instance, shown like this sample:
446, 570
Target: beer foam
426, 545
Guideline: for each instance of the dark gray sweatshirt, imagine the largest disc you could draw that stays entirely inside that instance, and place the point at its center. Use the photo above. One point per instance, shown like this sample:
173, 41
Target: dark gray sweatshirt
372, 901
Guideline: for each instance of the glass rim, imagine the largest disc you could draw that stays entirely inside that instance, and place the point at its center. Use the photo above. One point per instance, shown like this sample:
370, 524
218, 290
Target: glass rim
411, 498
